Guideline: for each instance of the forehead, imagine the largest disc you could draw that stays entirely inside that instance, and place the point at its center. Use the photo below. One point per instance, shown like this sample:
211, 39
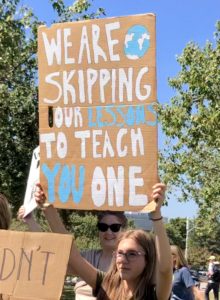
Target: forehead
110, 219
129, 244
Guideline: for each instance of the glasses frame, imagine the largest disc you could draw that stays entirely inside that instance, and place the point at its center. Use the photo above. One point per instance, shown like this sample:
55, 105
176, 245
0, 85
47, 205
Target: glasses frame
103, 227
121, 254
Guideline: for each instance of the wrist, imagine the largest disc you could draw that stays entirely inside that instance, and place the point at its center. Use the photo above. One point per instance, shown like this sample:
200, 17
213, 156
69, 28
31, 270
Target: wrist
156, 219
155, 215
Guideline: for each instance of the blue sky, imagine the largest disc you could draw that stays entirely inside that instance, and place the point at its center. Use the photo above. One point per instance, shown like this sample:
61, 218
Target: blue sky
178, 22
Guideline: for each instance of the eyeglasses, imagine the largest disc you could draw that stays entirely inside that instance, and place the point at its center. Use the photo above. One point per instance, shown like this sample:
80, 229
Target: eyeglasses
131, 255
103, 227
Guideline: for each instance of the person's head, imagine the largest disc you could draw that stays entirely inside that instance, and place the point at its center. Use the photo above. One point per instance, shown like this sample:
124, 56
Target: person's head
211, 258
179, 260
110, 224
135, 262
5, 213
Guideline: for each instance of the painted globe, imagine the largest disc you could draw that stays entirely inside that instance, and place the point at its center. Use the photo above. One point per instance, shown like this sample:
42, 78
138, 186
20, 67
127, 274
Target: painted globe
137, 42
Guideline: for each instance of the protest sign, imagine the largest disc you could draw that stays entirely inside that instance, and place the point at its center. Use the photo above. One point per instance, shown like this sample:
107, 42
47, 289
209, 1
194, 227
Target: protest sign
33, 178
98, 120
33, 265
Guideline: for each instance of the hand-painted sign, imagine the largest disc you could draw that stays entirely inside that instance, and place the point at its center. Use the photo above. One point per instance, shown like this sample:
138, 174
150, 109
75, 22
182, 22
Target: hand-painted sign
33, 265
98, 121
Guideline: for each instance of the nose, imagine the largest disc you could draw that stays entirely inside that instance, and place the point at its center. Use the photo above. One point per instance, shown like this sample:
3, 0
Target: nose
123, 257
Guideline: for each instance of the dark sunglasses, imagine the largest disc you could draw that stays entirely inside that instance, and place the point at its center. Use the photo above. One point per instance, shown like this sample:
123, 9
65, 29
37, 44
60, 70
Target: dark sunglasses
103, 227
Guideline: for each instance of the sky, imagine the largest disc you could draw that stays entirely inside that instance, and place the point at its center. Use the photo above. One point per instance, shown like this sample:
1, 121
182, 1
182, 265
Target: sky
177, 23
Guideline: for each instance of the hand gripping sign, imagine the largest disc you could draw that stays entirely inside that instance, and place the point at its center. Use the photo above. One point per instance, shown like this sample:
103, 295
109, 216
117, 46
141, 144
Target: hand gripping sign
98, 120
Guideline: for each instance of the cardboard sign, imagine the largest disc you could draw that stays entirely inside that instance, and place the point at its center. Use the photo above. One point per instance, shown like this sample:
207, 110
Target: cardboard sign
33, 178
98, 120
33, 265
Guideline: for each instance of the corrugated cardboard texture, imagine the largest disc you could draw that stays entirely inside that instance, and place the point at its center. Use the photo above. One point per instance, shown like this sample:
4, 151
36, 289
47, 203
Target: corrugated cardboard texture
98, 120
33, 265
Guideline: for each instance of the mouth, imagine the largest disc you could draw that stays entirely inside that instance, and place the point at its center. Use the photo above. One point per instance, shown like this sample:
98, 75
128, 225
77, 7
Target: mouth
124, 269
109, 238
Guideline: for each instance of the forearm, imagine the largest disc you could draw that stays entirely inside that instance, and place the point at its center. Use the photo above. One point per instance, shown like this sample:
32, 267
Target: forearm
54, 220
32, 224
163, 247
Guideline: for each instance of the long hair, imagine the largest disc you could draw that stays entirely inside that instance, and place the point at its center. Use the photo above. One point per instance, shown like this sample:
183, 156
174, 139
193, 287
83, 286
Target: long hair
180, 259
5, 213
112, 286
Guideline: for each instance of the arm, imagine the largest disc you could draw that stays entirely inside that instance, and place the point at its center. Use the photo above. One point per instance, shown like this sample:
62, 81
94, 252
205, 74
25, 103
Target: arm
77, 264
164, 258
29, 220
197, 293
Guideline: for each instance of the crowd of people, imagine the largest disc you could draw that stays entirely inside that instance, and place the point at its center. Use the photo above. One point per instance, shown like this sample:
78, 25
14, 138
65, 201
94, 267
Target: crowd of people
131, 264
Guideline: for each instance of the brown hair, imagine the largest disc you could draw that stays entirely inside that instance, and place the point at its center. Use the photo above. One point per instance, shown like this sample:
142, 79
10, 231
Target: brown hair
112, 287
5, 213
180, 259
119, 214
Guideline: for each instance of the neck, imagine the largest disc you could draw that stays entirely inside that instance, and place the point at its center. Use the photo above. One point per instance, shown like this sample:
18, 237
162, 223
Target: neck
107, 252
129, 287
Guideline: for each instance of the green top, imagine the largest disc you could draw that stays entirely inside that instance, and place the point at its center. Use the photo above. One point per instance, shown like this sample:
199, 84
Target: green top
100, 276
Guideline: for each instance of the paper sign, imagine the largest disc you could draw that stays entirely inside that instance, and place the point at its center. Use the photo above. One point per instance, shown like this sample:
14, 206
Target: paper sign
33, 178
33, 265
98, 120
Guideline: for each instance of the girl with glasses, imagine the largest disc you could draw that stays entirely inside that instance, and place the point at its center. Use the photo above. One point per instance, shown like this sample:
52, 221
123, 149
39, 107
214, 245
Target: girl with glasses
109, 225
141, 268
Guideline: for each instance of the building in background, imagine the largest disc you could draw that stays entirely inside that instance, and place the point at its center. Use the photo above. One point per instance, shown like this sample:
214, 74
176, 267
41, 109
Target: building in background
141, 220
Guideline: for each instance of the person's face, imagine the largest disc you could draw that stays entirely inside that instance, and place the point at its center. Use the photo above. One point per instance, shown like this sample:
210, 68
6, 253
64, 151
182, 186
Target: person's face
108, 238
130, 260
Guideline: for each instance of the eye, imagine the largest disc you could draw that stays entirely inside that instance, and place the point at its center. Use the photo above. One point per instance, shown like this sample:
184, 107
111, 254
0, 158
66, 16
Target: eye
132, 254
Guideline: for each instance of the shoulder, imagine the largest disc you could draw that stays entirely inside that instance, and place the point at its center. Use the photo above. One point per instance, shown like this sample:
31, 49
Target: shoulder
184, 270
91, 254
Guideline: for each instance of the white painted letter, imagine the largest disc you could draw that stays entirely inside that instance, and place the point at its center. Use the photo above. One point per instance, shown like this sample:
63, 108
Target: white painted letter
136, 199
49, 80
147, 87
53, 48
98, 188
111, 43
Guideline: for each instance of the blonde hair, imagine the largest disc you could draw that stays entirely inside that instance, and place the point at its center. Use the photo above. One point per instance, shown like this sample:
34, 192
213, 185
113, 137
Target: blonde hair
180, 259
112, 287
5, 213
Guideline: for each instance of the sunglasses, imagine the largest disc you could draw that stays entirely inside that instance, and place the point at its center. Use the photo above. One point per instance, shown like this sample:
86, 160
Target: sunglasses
103, 227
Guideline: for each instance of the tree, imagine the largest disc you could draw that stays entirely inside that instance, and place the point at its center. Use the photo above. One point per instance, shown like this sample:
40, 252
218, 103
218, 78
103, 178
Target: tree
176, 230
18, 89
191, 160
18, 98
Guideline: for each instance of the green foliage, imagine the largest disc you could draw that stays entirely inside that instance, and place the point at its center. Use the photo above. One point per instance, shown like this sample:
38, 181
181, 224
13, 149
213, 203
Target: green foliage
19, 91
80, 10
176, 230
85, 230
18, 98
191, 160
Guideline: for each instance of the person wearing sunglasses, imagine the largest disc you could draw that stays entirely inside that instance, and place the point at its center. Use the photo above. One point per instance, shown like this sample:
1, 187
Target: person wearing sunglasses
141, 268
109, 226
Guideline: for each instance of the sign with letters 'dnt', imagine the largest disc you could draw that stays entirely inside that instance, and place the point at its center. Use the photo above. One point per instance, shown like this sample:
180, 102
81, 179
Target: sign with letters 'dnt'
98, 120
33, 265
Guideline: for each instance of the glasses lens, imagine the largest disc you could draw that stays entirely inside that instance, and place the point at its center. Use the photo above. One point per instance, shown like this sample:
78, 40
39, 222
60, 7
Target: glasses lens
115, 227
102, 227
